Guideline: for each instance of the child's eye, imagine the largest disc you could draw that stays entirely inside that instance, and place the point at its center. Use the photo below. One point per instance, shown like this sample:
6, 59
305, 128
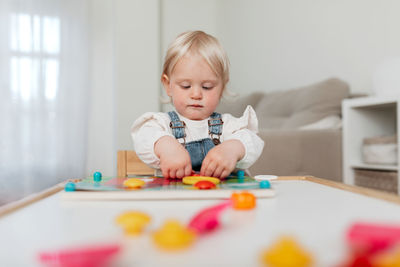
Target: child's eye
207, 87
185, 86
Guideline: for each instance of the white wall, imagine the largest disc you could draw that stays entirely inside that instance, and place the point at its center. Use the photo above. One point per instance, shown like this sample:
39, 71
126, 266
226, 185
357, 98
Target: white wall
125, 62
137, 59
276, 44
101, 155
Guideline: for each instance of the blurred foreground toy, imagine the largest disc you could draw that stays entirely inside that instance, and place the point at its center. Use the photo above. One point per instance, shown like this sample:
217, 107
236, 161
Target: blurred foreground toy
371, 237
286, 252
91, 256
133, 222
174, 236
375, 245
208, 219
243, 201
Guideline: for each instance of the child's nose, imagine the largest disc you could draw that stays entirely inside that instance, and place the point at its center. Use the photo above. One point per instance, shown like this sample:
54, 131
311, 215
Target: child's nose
196, 92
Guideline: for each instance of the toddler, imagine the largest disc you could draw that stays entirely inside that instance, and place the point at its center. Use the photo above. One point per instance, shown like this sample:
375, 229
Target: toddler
194, 137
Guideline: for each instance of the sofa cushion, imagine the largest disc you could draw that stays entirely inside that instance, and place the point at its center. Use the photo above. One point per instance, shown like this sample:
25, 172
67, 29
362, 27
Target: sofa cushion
291, 109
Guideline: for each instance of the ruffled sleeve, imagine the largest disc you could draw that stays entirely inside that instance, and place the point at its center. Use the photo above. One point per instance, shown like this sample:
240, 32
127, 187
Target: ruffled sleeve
244, 129
145, 131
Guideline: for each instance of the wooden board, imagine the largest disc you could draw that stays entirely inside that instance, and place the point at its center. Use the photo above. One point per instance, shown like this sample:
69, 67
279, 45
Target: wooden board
111, 188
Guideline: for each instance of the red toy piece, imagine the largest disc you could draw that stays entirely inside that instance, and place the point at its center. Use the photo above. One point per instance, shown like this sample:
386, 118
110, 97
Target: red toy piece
207, 219
243, 201
204, 185
370, 238
93, 256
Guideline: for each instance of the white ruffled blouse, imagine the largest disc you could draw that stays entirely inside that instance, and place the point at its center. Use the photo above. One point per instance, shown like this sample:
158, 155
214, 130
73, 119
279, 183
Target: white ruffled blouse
151, 126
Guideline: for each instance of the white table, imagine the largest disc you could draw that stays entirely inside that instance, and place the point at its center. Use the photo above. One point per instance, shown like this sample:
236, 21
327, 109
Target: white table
316, 215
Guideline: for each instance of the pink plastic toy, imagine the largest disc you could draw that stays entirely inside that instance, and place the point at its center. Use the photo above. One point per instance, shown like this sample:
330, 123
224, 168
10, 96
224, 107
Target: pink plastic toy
93, 256
373, 237
208, 219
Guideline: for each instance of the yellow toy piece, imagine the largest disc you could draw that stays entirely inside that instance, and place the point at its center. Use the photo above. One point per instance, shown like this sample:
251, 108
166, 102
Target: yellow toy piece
286, 252
173, 236
194, 179
133, 222
134, 183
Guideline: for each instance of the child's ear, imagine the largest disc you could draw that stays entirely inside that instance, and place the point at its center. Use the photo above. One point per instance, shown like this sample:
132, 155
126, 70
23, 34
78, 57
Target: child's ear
165, 82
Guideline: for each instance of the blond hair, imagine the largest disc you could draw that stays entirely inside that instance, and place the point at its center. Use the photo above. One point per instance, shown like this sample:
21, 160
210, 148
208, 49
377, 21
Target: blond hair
203, 44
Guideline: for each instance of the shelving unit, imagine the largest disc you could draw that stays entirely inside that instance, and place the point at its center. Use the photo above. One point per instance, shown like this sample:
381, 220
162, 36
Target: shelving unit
368, 117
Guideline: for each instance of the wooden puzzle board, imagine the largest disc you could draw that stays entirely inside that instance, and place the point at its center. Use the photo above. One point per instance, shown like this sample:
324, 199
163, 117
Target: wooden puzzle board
156, 188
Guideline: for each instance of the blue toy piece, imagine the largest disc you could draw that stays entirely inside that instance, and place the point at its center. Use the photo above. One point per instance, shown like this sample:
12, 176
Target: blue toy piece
240, 174
265, 184
97, 176
69, 187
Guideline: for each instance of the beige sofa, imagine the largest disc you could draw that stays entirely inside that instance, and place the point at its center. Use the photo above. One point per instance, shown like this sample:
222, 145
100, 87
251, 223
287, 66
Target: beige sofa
301, 129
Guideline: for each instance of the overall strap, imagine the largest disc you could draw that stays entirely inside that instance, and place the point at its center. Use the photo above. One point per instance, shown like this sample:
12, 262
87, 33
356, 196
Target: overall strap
215, 127
177, 126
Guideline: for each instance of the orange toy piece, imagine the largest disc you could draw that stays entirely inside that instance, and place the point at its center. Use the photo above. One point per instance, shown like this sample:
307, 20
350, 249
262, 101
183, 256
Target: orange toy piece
390, 258
286, 252
173, 236
243, 201
133, 222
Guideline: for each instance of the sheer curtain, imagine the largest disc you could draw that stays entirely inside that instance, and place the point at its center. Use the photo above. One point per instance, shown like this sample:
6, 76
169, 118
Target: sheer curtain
44, 89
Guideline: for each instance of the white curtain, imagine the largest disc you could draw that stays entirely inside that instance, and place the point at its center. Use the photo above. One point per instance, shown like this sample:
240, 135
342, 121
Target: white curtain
44, 94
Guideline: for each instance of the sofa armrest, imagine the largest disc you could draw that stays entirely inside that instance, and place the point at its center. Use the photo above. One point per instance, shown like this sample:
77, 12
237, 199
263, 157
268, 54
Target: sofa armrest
301, 152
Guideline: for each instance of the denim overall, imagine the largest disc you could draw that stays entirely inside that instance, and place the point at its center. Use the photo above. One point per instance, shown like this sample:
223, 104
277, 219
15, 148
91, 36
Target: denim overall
197, 149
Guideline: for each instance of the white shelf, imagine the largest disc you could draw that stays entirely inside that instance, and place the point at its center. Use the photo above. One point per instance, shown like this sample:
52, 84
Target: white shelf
367, 117
374, 167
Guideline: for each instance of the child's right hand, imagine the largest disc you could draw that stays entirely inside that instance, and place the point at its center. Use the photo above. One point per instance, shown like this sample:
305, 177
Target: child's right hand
174, 158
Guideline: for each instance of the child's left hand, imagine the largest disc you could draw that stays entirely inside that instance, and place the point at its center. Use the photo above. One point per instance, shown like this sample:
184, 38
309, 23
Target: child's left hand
221, 160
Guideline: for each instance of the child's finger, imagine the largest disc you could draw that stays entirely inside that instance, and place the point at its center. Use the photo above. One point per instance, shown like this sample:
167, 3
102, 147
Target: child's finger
188, 170
218, 171
180, 173
225, 173
210, 169
172, 173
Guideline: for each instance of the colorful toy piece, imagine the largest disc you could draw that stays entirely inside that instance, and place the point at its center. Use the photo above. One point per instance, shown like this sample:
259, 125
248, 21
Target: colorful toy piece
92, 256
240, 174
207, 219
173, 236
204, 185
191, 180
243, 201
265, 184
133, 222
134, 183
286, 252
97, 176
390, 258
69, 187
372, 237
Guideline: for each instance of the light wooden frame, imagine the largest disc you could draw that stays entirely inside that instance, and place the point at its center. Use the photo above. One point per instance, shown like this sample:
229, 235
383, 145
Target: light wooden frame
128, 163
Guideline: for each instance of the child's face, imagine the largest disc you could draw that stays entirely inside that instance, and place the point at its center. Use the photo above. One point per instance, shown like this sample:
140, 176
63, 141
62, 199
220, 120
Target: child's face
194, 88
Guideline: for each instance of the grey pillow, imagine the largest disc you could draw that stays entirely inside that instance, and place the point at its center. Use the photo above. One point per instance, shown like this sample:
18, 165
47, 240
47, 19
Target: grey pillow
291, 109
235, 107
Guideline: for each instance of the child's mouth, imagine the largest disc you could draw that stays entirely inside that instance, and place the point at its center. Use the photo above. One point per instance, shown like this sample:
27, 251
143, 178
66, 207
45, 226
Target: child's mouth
196, 106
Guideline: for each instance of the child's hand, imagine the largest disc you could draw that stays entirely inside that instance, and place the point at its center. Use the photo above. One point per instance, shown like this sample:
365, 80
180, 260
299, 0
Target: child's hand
174, 158
221, 160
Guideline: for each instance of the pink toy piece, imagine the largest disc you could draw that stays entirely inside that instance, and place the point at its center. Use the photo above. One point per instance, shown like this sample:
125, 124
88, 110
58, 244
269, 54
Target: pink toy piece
373, 237
207, 219
92, 256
